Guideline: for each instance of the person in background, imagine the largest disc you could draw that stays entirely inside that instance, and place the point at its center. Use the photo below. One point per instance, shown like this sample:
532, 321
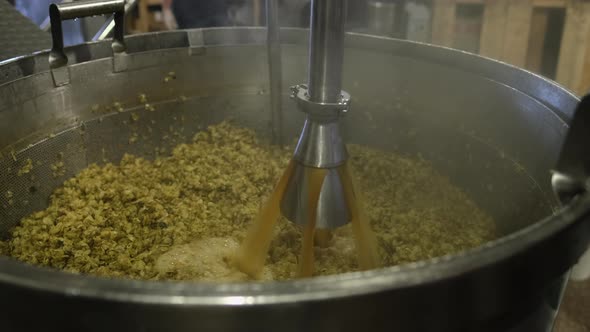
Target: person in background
38, 11
199, 13
214, 13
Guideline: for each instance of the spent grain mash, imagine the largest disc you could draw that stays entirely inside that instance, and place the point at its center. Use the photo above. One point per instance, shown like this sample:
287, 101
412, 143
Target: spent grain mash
180, 217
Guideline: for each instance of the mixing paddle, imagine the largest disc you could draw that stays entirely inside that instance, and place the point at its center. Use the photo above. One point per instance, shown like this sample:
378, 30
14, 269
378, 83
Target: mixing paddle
316, 191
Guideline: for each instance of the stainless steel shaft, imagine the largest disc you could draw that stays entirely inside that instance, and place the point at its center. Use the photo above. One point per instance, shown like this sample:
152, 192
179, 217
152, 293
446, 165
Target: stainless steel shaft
273, 39
320, 143
326, 50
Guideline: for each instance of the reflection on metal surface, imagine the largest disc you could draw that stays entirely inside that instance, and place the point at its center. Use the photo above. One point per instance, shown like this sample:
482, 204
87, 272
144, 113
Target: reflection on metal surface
332, 209
320, 145
326, 50
273, 40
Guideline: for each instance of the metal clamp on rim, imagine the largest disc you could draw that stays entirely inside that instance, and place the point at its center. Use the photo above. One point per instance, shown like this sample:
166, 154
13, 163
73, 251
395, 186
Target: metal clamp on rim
572, 174
566, 187
318, 110
69, 11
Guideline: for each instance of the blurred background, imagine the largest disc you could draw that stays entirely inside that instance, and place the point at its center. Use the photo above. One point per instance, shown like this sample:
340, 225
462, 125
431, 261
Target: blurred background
549, 37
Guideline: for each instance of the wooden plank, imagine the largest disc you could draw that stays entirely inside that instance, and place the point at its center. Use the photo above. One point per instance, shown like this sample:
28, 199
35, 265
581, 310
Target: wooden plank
470, 2
568, 47
143, 21
550, 3
584, 86
491, 42
536, 44
574, 49
257, 10
443, 22
468, 22
518, 28
536, 3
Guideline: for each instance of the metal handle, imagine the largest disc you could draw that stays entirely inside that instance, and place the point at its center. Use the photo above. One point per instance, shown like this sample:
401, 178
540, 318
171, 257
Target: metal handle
572, 173
109, 25
73, 10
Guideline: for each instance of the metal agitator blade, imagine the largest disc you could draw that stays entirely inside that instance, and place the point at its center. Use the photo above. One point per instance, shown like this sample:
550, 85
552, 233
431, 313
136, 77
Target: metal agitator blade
320, 143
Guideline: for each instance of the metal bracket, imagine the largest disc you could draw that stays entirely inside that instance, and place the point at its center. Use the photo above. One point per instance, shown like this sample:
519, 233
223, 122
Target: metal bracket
196, 42
120, 62
60, 76
73, 10
300, 93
